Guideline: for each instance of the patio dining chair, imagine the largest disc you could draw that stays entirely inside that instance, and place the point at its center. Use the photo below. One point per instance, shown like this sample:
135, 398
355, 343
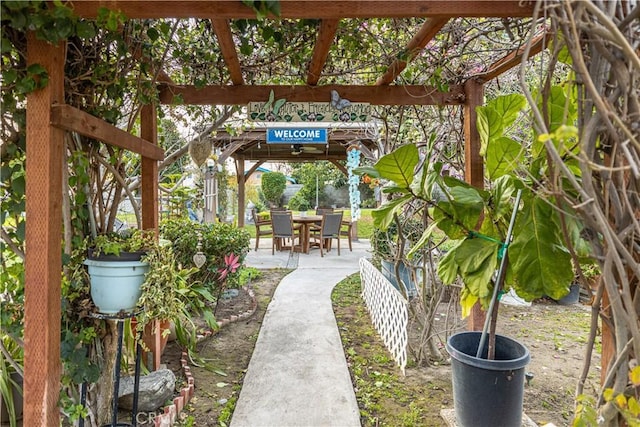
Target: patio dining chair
346, 230
329, 230
283, 230
263, 226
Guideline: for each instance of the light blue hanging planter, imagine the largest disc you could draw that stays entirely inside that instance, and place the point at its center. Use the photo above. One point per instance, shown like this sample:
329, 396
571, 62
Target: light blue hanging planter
115, 285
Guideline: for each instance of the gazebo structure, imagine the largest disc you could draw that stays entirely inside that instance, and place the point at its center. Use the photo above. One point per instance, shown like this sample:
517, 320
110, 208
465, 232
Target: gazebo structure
252, 146
48, 117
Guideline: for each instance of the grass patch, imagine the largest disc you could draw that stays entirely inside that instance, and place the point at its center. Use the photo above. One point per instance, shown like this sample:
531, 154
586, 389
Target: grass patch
385, 397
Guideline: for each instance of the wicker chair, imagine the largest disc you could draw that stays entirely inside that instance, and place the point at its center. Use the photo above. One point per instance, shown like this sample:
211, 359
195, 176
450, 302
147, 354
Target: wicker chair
283, 229
263, 226
329, 229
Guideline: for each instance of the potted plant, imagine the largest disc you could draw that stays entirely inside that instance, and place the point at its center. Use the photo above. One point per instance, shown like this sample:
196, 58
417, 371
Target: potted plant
390, 249
536, 264
116, 269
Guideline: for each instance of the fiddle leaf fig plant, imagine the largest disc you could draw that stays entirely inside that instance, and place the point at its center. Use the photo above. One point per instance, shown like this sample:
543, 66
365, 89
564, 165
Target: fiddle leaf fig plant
477, 219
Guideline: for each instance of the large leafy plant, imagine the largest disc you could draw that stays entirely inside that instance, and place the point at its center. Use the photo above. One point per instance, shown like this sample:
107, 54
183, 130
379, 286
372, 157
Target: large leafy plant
477, 219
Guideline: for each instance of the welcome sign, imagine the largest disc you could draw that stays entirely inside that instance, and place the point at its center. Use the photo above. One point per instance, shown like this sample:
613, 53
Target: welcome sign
296, 136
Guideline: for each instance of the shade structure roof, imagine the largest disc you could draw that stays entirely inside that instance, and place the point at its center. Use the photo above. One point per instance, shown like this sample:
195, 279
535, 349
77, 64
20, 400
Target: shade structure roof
252, 144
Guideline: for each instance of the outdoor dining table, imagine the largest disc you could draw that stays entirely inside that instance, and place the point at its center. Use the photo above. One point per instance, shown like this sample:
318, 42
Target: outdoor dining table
305, 231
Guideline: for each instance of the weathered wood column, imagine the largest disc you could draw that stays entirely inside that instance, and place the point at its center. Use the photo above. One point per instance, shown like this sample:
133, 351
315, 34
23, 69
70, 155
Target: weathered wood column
149, 188
473, 166
43, 262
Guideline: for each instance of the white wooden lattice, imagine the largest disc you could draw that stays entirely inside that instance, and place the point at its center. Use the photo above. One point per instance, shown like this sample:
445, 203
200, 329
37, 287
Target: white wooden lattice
388, 310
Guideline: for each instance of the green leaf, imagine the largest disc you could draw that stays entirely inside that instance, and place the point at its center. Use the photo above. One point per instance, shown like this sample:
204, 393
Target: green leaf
539, 264
6, 45
18, 184
153, 34
9, 76
489, 126
398, 166
503, 189
460, 214
85, 30
208, 316
472, 253
561, 110
369, 170
448, 268
508, 107
503, 156
383, 216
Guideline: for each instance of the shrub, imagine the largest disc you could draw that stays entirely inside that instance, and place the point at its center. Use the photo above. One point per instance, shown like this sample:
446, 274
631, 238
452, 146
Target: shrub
299, 203
273, 186
218, 240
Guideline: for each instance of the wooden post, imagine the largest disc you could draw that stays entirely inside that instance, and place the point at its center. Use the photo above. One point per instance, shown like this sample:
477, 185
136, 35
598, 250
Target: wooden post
149, 187
43, 262
473, 166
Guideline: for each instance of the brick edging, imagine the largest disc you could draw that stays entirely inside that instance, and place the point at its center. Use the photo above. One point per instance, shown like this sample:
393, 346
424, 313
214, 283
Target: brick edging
172, 411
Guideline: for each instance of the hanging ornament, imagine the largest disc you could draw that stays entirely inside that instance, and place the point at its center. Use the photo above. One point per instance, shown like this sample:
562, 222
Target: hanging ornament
199, 150
353, 161
199, 258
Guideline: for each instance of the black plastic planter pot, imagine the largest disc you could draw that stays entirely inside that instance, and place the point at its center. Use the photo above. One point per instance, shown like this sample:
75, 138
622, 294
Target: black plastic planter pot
487, 392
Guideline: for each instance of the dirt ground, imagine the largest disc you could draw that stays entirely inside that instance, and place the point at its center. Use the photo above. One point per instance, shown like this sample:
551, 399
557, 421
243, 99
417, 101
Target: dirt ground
554, 334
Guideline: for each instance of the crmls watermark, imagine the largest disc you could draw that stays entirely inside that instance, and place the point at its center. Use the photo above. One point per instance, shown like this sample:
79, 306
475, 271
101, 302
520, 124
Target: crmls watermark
146, 418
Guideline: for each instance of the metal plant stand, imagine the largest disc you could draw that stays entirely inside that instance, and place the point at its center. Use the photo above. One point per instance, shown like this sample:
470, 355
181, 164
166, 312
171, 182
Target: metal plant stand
120, 319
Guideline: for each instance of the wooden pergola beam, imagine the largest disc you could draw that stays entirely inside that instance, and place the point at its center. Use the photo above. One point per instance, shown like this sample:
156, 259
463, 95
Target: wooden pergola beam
326, 34
313, 9
43, 258
426, 33
538, 44
228, 49
69, 118
375, 95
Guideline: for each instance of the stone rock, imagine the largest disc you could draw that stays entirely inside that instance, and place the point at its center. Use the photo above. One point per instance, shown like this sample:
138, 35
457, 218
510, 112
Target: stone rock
156, 389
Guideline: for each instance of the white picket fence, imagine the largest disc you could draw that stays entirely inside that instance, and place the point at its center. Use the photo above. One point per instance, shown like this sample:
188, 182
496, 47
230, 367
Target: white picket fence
388, 310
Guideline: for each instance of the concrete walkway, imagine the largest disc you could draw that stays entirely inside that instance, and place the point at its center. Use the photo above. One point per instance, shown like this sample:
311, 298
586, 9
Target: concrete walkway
298, 374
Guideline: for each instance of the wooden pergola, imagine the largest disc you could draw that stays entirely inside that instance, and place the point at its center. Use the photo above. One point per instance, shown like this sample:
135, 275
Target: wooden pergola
48, 117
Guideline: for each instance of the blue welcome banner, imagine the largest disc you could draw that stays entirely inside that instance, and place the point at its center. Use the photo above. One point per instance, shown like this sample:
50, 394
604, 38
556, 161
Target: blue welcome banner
296, 136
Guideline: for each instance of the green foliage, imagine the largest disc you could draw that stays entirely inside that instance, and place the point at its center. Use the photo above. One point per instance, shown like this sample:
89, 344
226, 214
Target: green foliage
169, 293
218, 240
503, 155
11, 371
163, 289
130, 241
539, 262
299, 203
273, 186
310, 175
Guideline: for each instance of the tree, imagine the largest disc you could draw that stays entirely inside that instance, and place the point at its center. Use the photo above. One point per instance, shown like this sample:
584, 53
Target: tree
273, 186
316, 175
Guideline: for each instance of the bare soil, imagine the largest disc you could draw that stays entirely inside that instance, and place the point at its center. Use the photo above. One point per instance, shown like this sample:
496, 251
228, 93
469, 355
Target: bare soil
555, 335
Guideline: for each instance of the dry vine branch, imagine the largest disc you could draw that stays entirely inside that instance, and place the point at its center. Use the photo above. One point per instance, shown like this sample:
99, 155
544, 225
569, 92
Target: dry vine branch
602, 41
